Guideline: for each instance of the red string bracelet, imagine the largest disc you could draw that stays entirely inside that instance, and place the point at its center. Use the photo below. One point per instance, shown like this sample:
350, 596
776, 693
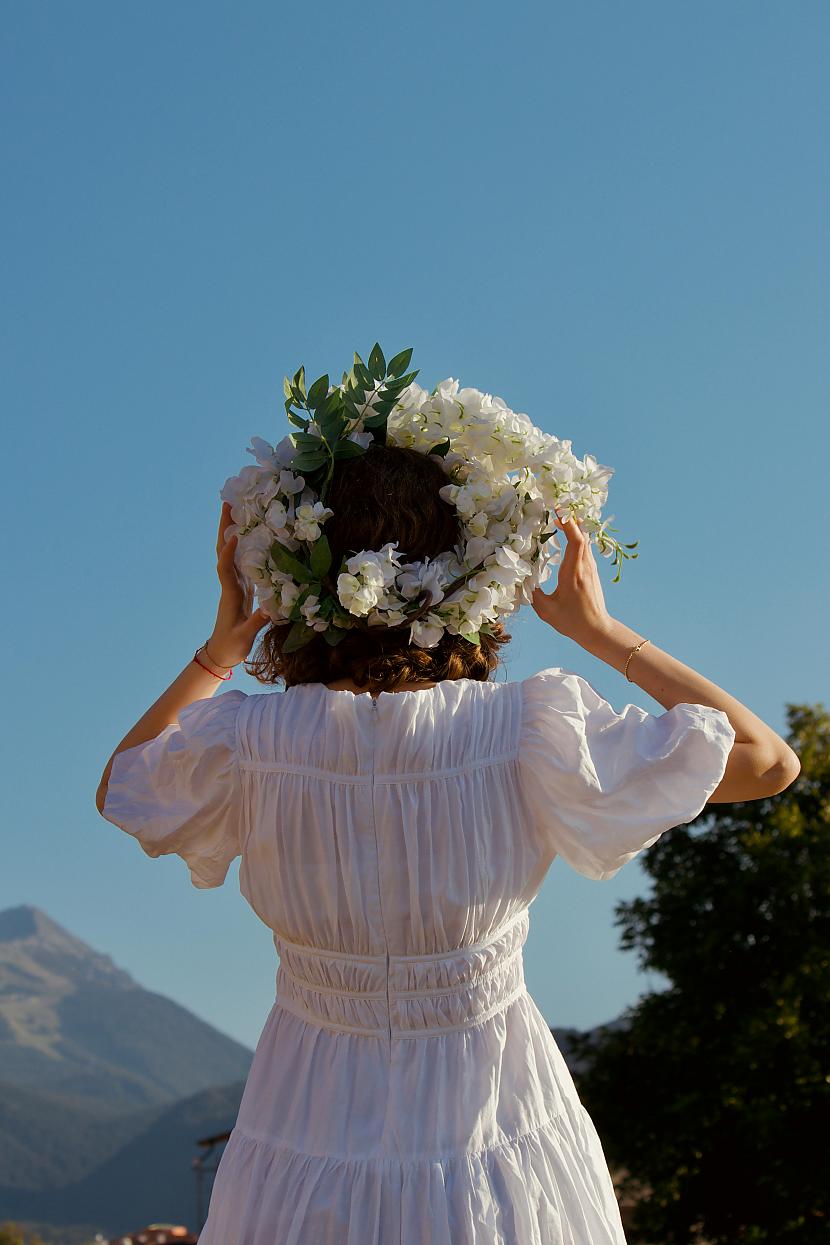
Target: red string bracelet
223, 678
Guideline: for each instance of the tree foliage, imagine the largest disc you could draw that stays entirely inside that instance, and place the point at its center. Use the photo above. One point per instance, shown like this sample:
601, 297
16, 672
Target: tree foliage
714, 1095
13, 1234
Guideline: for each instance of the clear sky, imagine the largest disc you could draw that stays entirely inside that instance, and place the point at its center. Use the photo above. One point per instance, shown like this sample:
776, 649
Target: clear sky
613, 216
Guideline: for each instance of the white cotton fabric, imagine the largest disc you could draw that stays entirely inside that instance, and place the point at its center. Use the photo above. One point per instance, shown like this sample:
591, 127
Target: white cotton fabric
406, 1089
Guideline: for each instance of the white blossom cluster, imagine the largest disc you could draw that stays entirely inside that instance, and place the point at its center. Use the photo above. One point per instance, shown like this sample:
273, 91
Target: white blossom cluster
505, 478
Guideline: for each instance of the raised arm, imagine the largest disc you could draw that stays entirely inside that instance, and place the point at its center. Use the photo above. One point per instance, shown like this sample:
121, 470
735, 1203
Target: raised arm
233, 635
760, 764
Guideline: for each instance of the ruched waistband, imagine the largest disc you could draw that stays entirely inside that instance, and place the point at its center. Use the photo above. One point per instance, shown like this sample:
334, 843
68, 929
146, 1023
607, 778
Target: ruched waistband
403, 996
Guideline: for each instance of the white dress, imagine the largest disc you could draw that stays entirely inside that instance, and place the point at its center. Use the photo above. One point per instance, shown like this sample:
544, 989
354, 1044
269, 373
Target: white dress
406, 1089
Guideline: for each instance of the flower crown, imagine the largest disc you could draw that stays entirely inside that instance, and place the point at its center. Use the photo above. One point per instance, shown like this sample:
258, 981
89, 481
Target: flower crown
505, 477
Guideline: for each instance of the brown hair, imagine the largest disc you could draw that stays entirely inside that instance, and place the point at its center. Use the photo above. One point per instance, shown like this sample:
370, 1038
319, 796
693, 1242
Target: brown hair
389, 493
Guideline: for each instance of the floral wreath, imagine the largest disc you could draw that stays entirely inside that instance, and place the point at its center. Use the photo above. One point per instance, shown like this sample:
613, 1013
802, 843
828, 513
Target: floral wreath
505, 477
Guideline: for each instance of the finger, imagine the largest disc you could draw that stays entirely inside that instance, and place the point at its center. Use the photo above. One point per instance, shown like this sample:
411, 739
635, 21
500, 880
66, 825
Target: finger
225, 521
573, 550
226, 568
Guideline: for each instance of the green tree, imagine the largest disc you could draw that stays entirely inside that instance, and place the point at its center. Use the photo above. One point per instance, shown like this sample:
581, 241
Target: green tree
714, 1094
13, 1234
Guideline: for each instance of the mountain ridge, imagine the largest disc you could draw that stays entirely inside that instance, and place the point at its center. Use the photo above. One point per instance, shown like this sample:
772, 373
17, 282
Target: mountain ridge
73, 1023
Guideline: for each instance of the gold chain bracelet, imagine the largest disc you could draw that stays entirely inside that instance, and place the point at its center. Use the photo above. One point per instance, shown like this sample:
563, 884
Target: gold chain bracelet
636, 649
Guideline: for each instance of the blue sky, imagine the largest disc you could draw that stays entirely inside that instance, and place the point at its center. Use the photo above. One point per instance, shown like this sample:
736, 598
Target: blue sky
613, 216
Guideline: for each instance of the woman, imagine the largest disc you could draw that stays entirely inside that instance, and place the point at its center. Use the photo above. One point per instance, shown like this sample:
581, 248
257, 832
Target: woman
396, 811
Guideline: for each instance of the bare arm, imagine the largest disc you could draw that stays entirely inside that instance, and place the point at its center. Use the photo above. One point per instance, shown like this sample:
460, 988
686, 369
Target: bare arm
233, 635
760, 764
193, 683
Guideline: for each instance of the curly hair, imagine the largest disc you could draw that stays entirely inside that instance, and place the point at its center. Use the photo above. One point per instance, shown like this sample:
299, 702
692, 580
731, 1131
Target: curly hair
389, 493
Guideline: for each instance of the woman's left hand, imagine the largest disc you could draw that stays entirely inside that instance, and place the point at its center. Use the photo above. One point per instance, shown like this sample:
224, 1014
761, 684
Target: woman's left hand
236, 627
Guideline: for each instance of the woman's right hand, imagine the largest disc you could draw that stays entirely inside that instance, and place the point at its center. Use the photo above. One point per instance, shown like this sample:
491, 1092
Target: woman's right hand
576, 608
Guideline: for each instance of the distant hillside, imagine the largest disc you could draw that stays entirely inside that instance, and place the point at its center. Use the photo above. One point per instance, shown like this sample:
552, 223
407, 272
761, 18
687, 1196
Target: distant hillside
150, 1179
75, 1025
48, 1140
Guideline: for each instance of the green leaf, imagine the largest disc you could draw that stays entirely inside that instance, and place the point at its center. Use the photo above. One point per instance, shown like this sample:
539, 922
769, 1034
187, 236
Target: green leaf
376, 420
307, 441
363, 375
286, 388
334, 635
299, 382
394, 388
332, 404
384, 407
398, 365
353, 406
441, 448
308, 460
320, 556
377, 363
297, 420
332, 429
348, 449
298, 637
318, 392
289, 564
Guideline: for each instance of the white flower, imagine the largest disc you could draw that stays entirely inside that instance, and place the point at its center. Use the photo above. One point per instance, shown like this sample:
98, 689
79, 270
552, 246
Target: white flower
309, 609
276, 516
377, 567
427, 631
356, 597
290, 484
307, 521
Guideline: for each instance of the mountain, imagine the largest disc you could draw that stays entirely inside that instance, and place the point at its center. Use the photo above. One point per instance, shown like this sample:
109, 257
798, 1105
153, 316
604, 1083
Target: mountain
73, 1024
49, 1140
148, 1180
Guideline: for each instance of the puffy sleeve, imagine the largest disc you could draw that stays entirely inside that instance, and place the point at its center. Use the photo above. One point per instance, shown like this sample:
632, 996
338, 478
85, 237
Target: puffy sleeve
600, 786
181, 791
